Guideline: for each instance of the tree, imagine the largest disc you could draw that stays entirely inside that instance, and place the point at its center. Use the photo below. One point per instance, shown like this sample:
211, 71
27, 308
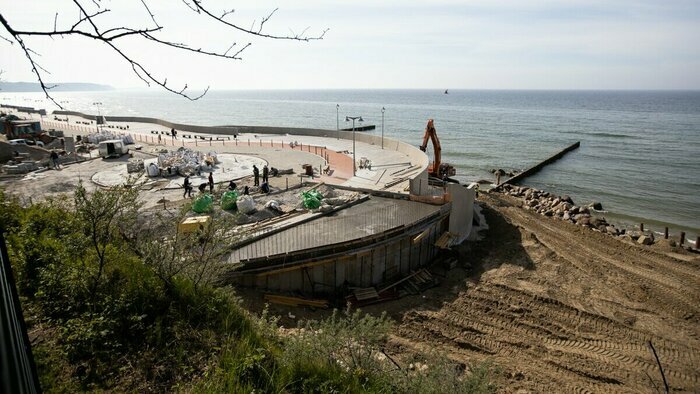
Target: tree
90, 24
197, 256
105, 216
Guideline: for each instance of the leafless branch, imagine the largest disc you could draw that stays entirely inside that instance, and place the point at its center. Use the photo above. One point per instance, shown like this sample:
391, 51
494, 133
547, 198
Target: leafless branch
110, 36
7, 39
153, 17
198, 5
265, 19
226, 13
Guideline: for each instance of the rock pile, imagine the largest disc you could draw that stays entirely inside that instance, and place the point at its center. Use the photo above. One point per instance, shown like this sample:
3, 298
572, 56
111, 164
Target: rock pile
563, 208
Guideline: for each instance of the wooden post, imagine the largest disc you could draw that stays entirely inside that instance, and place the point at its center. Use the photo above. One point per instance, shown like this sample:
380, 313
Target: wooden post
682, 241
665, 232
271, 142
641, 227
248, 141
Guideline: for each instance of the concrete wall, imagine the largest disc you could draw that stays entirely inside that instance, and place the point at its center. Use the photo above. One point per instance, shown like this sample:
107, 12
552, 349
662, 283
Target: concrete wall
462, 214
369, 266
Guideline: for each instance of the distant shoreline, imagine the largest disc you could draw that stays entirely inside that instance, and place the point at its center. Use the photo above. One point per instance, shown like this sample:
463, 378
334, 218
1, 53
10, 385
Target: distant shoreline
27, 87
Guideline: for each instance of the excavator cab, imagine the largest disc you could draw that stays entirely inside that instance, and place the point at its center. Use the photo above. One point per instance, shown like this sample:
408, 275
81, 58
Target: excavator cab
436, 169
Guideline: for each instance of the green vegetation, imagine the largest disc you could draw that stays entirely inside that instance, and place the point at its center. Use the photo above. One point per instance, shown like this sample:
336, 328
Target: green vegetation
116, 299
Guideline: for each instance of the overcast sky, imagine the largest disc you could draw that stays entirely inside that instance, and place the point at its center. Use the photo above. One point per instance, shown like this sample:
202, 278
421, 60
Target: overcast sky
515, 44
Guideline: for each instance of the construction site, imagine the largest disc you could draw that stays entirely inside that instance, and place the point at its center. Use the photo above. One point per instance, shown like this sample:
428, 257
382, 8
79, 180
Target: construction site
339, 214
555, 297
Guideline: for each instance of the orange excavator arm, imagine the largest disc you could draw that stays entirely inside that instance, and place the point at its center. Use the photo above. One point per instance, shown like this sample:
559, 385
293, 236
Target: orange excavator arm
431, 134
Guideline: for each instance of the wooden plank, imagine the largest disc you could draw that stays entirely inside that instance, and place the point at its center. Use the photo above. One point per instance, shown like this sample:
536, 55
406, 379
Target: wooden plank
366, 294
295, 301
396, 283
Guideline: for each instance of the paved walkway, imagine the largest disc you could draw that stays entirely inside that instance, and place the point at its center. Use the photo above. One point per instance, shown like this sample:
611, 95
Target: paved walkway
388, 171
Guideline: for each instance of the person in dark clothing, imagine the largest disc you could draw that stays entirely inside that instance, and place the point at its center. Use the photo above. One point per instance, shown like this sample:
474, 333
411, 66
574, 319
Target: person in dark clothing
173, 133
211, 182
232, 185
203, 187
256, 176
265, 188
266, 172
54, 159
246, 191
188, 187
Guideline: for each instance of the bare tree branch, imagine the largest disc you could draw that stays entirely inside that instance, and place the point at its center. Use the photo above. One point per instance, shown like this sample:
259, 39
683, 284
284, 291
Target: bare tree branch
110, 36
153, 17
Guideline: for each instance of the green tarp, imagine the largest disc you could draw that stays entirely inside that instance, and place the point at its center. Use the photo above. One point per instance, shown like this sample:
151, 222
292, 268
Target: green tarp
312, 199
203, 204
228, 200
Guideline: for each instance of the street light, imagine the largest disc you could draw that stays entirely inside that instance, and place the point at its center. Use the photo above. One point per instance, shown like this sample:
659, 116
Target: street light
359, 119
97, 121
337, 119
383, 109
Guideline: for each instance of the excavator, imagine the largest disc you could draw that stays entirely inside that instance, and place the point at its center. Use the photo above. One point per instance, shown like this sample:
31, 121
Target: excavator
436, 169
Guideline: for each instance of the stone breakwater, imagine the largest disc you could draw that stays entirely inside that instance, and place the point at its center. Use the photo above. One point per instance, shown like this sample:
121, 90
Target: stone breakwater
564, 208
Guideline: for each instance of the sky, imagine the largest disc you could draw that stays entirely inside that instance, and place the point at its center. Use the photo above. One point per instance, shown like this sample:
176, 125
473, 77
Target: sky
410, 44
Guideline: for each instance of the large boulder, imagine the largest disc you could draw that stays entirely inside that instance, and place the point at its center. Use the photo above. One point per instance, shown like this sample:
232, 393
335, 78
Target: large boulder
645, 240
568, 199
596, 205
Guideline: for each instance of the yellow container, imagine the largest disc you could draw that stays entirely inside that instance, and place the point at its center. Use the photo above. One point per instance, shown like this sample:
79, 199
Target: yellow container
194, 223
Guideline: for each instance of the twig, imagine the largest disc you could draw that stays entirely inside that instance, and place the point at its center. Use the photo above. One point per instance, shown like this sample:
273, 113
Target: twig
658, 363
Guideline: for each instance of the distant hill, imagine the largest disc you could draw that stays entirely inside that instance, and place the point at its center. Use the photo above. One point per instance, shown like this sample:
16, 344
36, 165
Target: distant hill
60, 87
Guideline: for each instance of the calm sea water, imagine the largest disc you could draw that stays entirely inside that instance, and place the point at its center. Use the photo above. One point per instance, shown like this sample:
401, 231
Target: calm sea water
639, 155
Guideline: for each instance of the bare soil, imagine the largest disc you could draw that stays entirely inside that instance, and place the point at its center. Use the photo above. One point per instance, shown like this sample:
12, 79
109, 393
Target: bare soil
561, 308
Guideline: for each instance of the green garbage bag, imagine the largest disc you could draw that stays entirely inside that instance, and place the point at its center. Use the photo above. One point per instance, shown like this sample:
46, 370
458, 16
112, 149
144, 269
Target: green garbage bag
311, 199
228, 200
203, 203
315, 194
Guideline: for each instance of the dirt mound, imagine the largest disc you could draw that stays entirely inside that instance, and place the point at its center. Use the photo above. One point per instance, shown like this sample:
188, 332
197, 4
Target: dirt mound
562, 308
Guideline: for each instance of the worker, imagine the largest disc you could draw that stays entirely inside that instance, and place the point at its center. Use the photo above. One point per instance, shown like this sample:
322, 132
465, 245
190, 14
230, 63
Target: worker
232, 185
203, 187
173, 133
54, 159
246, 191
265, 188
211, 182
188, 187
256, 176
266, 172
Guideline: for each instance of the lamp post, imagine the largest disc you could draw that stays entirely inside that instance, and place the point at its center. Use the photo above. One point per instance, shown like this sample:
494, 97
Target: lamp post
337, 120
97, 121
383, 109
359, 119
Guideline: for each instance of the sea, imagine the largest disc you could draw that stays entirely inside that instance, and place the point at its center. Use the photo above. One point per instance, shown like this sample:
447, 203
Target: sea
639, 154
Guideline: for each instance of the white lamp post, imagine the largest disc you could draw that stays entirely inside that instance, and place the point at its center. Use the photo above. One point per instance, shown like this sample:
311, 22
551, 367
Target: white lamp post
383, 109
99, 115
359, 119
